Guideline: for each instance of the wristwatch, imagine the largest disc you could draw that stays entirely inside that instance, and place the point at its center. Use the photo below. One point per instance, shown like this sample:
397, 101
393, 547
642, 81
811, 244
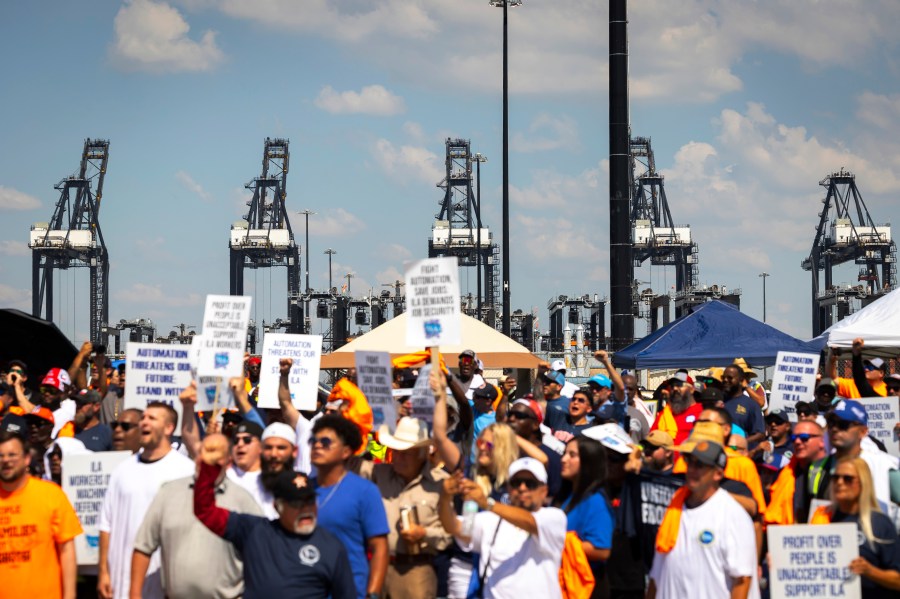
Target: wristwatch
491, 502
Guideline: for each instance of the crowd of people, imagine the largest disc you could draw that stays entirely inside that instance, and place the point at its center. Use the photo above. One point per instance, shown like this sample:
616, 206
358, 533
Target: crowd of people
509, 488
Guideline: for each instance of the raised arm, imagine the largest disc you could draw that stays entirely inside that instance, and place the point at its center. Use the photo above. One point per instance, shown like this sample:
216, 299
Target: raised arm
290, 413
446, 449
859, 372
618, 385
532, 450
213, 458
465, 410
190, 432
76, 368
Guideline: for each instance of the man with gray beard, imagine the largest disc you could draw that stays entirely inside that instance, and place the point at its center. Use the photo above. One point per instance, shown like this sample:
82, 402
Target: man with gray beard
680, 413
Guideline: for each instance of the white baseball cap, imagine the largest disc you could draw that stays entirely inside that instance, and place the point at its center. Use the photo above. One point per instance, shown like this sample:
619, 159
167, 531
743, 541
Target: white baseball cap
280, 430
530, 465
558, 365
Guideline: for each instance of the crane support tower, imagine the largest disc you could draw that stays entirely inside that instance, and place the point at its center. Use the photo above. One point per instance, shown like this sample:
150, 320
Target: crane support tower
264, 238
846, 232
458, 229
73, 238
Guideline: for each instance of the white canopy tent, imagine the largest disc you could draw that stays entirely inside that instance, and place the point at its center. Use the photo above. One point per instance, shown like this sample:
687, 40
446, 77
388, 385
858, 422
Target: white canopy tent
878, 324
495, 349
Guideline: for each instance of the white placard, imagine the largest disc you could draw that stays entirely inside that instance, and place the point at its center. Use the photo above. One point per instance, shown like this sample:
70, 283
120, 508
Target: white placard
423, 398
225, 322
85, 478
611, 435
206, 394
156, 372
884, 413
794, 380
303, 381
374, 378
432, 300
812, 561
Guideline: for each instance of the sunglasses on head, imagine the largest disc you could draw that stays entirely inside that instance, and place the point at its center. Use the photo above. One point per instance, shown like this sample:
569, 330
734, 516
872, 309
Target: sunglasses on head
325, 442
803, 437
845, 479
125, 426
530, 483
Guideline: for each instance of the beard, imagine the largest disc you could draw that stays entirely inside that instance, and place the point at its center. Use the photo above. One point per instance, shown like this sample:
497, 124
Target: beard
304, 529
270, 468
680, 401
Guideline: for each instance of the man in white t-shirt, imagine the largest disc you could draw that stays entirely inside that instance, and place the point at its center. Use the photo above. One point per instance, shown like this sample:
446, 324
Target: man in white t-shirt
246, 465
132, 487
712, 555
520, 544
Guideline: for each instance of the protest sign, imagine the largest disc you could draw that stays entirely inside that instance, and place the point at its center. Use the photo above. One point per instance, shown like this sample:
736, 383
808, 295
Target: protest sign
423, 398
794, 380
303, 381
85, 478
884, 413
611, 435
813, 561
225, 322
374, 378
432, 299
156, 372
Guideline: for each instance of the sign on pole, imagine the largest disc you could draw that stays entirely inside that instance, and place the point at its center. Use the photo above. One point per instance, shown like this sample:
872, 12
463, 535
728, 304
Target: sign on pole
303, 381
225, 322
813, 561
884, 413
423, 398
85, 478
432, 300
794, 380
373, 377
156, 372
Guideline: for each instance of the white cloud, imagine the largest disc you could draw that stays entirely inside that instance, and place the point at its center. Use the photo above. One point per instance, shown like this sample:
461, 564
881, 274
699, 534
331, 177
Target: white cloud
414, 131
552, 189
8, 247
373, 100
879, 110
10, 297
13, 199
389, 275
546, 133
188, 182
144, 294
408, 162
334, 223
153, 36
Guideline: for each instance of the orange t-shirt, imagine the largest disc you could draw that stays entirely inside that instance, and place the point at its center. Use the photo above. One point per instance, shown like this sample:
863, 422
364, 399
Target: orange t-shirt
847, 388
33, 520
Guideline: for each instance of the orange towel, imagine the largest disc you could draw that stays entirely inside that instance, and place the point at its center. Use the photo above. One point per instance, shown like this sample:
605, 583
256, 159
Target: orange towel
576, 579
781, 504
667, 535
822, 515
417, 358
359, 412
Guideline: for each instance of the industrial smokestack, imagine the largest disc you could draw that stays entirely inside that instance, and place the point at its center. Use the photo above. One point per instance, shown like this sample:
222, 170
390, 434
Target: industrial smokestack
621, 266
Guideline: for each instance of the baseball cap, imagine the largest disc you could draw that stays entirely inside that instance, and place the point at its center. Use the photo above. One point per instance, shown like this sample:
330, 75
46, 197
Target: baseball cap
682, 376
601, 380
279, 430
14, 424
468, 353
876, 362
827, 382
558, 365
407, 377
293, 487
42, 413
711, 395
57, 378
529, 465
707, 452
660, 438
531, 405
254, 360
851, 411
555, 377
87, 396
488, 392
248, 427
778, 414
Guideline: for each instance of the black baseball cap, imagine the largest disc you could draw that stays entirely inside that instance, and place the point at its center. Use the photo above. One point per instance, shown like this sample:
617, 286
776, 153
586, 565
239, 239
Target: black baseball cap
248, 427
18, 363
14, 424
488, 392
293, 487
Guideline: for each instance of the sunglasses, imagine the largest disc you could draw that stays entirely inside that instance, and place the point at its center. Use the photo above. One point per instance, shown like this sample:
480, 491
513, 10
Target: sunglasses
579, 400
803, 437
244, 439
869, 367
325, 442
649, 448
530, 483
845, 479
17, 371
737, 448
125, 426
49, 390
482, 444
841, 425
520, 416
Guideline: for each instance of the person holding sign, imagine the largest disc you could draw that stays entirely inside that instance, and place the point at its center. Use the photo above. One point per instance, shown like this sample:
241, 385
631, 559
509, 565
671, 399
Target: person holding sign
37, 539
854, 501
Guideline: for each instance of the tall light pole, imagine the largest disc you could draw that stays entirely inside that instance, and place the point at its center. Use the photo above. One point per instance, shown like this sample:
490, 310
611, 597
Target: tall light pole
307, 213
764, 276
330, 253
478, 160
349, 276
505, 4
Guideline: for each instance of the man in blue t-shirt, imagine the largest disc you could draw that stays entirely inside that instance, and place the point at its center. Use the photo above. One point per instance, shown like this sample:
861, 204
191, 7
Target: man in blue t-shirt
88, 428
350, 507
745, 412
287, 557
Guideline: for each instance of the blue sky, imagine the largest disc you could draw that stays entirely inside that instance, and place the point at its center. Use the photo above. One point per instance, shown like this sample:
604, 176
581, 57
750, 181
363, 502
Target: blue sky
749, 105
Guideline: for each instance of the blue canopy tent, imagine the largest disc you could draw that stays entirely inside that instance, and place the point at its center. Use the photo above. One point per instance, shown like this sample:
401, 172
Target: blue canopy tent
713, 334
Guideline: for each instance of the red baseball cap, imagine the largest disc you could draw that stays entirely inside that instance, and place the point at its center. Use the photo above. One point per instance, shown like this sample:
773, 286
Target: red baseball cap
43, 413
254, 360
58, 379
533, 406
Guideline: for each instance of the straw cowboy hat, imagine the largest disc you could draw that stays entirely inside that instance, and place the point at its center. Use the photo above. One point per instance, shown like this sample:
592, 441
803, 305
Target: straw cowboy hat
410, 433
